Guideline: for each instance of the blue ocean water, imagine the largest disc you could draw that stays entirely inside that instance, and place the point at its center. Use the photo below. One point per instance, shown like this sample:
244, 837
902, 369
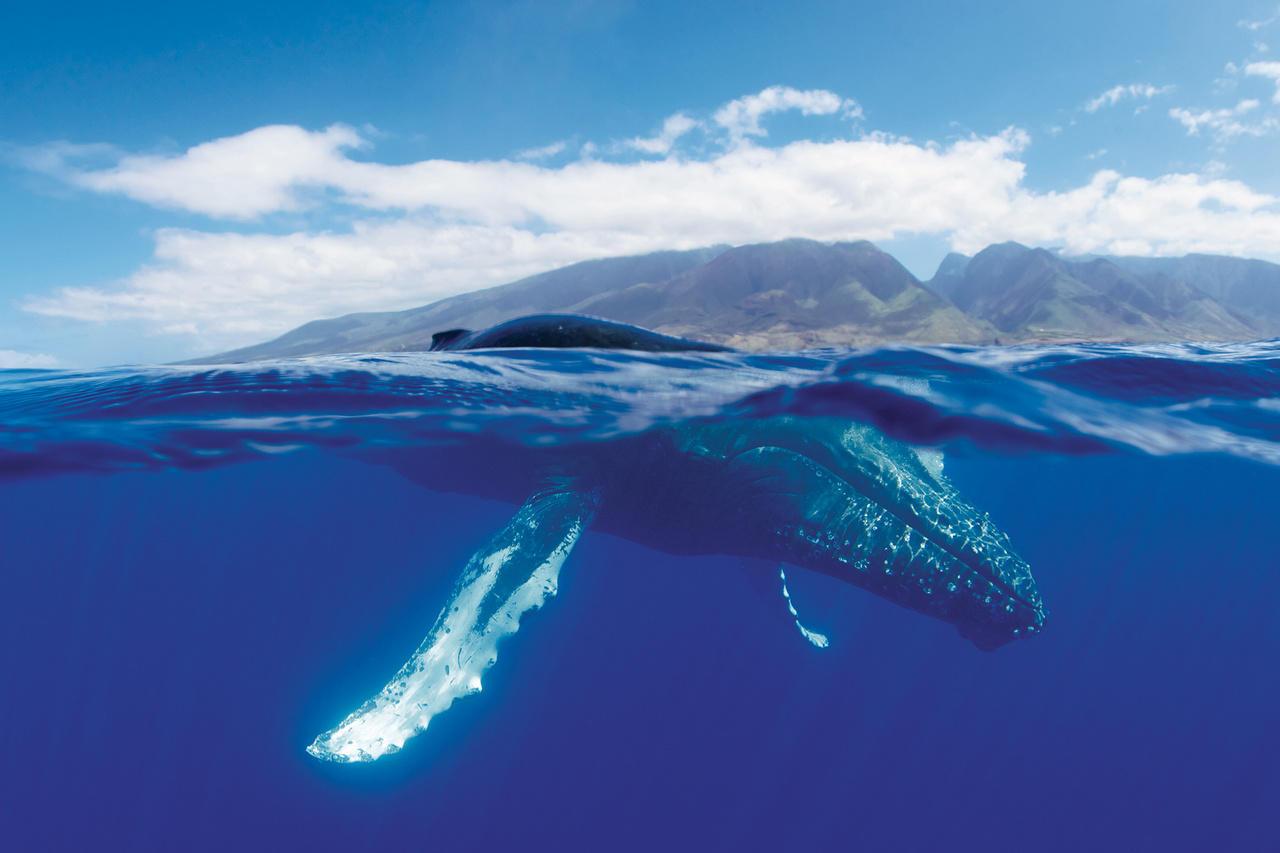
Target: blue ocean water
205, 568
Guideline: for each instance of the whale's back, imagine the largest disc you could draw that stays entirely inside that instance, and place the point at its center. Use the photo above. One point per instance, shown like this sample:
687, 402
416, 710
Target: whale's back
567, 331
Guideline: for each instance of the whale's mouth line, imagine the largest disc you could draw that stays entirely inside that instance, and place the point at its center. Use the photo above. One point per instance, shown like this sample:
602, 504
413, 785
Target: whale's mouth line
912, 521
965, 558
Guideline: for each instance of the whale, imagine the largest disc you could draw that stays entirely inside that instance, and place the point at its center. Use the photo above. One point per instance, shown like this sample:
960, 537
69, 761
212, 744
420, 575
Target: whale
809, 494
566, 331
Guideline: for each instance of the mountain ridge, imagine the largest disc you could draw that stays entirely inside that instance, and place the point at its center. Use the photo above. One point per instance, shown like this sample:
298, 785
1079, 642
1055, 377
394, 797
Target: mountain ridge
798, 294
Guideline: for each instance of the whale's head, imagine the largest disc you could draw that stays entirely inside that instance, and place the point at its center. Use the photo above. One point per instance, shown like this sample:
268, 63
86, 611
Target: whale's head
847, 501
956, 563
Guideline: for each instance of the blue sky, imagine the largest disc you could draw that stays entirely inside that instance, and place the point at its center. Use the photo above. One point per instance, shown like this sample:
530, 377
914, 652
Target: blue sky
175, 180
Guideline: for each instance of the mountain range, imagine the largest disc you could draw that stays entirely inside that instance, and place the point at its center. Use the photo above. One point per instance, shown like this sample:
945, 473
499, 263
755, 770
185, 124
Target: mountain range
797, 294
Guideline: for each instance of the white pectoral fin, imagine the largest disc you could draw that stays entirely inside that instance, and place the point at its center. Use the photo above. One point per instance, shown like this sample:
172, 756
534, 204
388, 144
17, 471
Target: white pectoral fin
513, 574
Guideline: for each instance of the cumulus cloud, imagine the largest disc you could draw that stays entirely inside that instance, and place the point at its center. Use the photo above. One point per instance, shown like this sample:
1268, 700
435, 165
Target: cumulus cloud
1270, 70
419, 231
1224, 124
1128, 91
665, 139
13, 360
741, 117
237, 177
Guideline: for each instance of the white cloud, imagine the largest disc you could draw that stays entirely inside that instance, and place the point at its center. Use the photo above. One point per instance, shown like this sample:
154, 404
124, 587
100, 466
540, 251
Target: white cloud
229, 288
13, 360
1225, 124
419, 231
1116, 94
741, 117
543, 152
673, 128
1270, 70
52, 157
238, 177
1259, 24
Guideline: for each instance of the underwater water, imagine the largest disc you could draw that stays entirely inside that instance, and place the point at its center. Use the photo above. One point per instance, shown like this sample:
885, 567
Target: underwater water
205, 570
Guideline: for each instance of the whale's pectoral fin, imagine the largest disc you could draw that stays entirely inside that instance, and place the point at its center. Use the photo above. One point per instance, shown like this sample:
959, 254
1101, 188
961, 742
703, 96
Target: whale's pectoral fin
818, 640
513, 574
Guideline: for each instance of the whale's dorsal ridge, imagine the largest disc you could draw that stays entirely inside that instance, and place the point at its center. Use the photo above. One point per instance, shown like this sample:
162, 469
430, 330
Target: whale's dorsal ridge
441, 340
567, 331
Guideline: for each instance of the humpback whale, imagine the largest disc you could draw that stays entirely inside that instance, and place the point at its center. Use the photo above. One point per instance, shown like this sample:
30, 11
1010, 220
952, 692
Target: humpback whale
563, 331
817, 494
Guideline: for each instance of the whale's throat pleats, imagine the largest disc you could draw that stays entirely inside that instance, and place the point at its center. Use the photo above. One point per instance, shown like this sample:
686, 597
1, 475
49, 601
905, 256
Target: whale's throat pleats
515, 573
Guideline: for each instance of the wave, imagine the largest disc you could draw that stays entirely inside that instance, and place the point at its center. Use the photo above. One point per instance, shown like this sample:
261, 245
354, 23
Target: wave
1076, 399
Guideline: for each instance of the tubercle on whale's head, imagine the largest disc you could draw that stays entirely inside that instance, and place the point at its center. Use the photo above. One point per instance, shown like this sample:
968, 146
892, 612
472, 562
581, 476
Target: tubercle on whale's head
999, 617
852, 503
981, 587
950, 560
1027, 620
846, 500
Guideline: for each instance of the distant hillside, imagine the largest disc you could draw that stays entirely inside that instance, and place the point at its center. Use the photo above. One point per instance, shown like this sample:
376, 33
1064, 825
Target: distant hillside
796, 294
1032, 294
1249, 287
793, 294
565, 289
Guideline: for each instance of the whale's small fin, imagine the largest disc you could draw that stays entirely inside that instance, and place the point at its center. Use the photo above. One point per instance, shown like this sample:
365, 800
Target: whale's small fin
819, 640
513, 574
441, 340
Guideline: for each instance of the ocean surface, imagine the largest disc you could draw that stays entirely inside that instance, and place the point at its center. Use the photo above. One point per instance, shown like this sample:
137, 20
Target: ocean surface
206, 568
